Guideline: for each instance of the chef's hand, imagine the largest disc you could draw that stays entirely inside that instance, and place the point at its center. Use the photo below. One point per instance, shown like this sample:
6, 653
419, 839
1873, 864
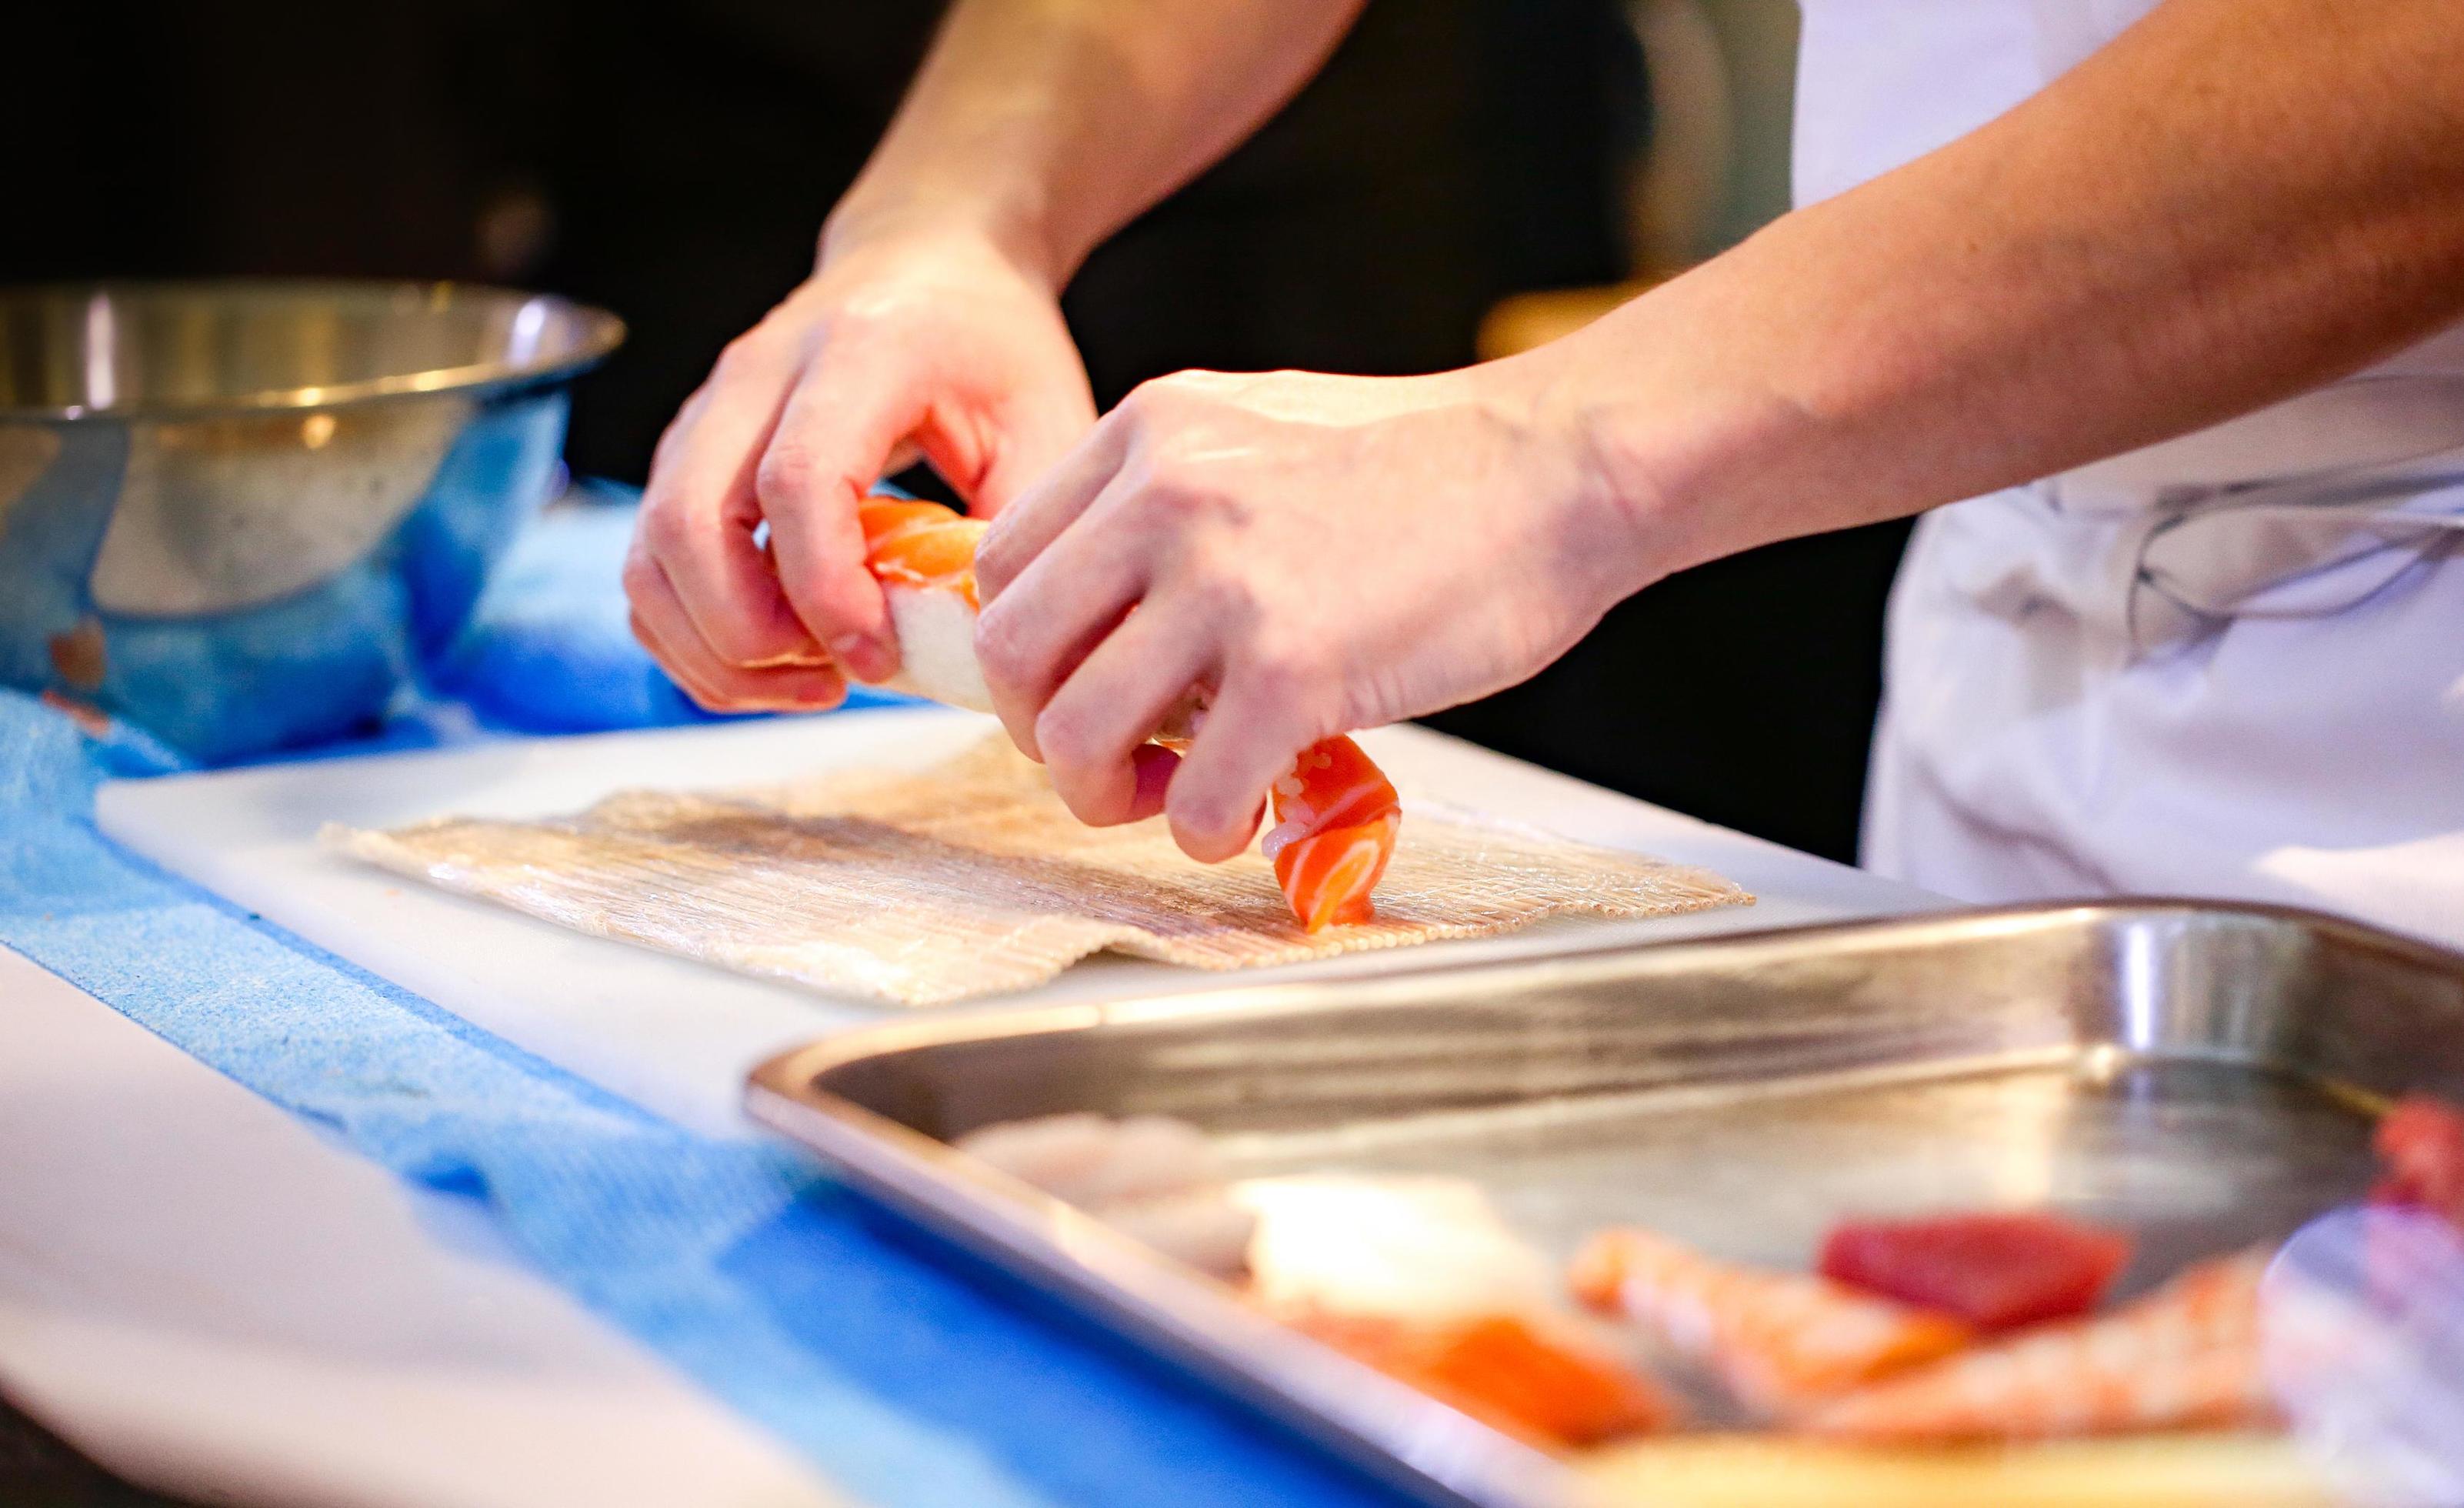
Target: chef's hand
899, 344
1314, 553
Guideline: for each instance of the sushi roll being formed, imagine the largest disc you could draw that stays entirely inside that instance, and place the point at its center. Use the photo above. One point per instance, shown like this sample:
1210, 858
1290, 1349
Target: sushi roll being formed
1335, 813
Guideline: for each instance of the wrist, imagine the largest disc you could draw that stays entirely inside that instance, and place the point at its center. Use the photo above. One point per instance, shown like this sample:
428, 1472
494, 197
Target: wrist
913, 216
1679, 458
1622, 508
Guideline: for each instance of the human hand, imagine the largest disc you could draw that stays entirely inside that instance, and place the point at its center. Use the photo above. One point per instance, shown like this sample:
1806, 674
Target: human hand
1314, 553
901, 344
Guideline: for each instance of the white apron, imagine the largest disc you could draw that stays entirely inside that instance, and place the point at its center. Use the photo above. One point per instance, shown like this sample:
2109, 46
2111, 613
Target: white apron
2232, 665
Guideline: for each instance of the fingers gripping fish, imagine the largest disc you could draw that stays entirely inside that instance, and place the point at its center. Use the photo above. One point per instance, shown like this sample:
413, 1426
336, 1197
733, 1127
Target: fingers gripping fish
1335, 813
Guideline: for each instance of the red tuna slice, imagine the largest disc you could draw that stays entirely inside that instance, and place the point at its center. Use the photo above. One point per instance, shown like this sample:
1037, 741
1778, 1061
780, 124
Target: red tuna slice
1997, 1272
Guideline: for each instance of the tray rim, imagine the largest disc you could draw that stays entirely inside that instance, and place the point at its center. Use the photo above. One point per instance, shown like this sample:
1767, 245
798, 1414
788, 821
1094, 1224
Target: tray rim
780, 1073
1390, 1430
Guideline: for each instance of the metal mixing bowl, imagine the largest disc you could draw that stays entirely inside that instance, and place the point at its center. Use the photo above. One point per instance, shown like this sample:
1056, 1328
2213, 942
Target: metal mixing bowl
243, 514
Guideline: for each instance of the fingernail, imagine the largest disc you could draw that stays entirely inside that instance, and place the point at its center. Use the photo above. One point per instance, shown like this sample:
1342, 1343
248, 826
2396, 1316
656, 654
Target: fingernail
793, 659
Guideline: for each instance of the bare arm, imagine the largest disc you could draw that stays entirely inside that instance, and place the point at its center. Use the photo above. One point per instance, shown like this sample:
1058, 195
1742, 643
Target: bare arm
1051, 123
2235, 200
931, 325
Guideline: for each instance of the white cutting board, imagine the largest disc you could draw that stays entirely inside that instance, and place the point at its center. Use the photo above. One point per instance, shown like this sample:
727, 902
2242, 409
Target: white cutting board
678, 1036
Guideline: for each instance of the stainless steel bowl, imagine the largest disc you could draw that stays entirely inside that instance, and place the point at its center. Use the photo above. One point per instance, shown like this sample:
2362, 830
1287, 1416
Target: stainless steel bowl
244, 515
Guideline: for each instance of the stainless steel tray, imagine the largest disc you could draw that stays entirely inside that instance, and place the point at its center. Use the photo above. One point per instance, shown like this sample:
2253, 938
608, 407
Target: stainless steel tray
2202, 1074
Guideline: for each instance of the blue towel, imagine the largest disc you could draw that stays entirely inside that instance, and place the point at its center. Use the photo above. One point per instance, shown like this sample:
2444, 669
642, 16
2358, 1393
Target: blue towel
549, 648
908, 1374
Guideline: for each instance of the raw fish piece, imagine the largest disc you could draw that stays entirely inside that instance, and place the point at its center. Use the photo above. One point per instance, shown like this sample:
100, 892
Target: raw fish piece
1335, 816
1779, 1340
1994, 1270
2185, 1357
1429, 1250
1200, 1227
1149, 1177
1547, 1388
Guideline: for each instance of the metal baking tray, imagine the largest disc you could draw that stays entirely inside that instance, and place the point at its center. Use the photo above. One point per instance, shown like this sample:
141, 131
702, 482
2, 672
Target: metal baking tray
2202, 1074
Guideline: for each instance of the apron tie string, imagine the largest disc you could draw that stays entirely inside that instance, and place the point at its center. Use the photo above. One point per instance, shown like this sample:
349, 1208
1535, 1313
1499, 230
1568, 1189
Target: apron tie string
2203, 560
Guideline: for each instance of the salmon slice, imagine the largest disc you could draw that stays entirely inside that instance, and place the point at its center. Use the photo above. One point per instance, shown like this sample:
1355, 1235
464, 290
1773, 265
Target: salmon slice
1780, 1341
1335, 818
921, 545
2185, 1356
884, 518
1543, 1389
1336, 811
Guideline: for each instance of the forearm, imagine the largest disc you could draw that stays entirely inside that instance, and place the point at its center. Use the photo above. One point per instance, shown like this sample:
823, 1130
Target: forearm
2237, 200
1047, 124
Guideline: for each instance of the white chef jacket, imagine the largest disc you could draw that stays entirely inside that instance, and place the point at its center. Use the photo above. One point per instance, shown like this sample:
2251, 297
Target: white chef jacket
2232, 665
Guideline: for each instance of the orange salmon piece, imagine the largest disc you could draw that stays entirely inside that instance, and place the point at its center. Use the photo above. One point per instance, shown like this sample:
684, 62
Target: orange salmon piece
1780, 1341
923, 545
882, 517
939, 558
1503, 1372
2185, 1356
1328, 876
1335, 818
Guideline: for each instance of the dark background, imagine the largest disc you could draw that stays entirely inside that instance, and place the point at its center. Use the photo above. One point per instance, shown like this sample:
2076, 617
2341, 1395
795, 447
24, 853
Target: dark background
674, 163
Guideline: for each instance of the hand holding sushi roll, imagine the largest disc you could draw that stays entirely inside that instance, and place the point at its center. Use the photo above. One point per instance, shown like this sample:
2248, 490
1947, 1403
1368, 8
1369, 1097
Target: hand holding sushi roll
930, 326
931, 341
1336, 811
1312, 553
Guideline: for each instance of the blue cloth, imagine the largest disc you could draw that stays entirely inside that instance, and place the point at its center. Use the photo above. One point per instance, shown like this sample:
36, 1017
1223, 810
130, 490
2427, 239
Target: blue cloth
908, 1374
549, 648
